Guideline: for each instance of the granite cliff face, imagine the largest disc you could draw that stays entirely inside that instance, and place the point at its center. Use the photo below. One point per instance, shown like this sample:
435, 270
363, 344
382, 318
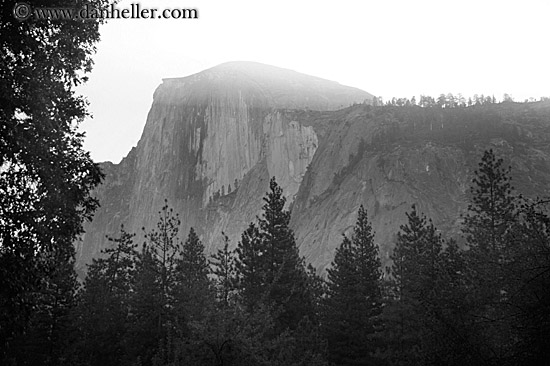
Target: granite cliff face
388, 158
213, 140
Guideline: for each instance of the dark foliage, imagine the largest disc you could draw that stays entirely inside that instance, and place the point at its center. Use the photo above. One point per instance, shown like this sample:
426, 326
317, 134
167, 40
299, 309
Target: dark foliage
45, 178
224, 270
354, 298
258, 304
449, 306
102, 313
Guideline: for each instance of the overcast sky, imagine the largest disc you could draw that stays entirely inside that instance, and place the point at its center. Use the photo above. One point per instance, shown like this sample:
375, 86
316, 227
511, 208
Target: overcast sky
388, 48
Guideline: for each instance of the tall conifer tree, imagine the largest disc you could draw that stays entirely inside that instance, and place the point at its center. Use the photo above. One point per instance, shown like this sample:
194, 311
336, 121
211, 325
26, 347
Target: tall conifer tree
102, 313
46, 176
165, 245
269, 266
146, 323
223, 267
493, 205
489, 228
153, 299
193, 290
414, 291
285, 273
354, 298
250, 274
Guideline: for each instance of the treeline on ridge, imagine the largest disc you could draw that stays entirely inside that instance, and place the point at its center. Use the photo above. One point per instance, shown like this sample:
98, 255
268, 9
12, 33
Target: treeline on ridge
449, 100
516, 122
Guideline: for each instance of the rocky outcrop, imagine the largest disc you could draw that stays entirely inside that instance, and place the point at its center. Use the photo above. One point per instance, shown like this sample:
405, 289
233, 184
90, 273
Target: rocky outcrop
388, 159
213, 140
210, 144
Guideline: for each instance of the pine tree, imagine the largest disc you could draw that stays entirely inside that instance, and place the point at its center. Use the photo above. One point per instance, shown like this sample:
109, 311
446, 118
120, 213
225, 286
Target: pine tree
274, 288
45, 174
45, 340
148, 310
104, 304
416, 256
192, 265
193, 288
249, 266
164, 244
452, 341
193, 305
493, 205
269, 268
489, 229
277, 237
532, 297
415, 272
284, 270
354, 297
154, 290
223, 267
317, 289
119, 263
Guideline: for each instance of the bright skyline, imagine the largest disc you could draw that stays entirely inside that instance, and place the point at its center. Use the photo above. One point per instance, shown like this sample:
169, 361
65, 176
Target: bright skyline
388, 48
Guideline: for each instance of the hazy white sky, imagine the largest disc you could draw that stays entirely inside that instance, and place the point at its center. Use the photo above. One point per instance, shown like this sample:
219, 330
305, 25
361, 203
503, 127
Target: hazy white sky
389, 48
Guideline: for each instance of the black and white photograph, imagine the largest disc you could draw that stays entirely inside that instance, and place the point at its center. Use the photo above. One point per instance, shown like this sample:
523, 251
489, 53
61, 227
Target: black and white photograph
274, 183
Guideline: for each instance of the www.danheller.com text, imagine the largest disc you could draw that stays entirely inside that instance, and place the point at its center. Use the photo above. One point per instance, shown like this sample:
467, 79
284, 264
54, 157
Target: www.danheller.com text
24, 11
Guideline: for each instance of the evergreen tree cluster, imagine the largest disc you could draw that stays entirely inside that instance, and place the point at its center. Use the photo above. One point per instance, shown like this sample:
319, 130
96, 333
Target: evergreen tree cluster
478, 304
448, 100
46, 177
485, 302
168, 304
165, 303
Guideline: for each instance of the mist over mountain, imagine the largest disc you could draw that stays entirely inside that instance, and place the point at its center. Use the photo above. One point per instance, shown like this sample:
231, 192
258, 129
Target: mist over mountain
213, 140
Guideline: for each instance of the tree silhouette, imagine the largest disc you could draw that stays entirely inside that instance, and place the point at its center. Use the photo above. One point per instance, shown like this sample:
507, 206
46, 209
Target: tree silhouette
354, 297
45, 175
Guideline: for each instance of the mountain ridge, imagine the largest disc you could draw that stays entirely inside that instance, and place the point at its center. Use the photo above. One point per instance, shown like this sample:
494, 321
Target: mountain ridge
211, 148
265, 85
206, 135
